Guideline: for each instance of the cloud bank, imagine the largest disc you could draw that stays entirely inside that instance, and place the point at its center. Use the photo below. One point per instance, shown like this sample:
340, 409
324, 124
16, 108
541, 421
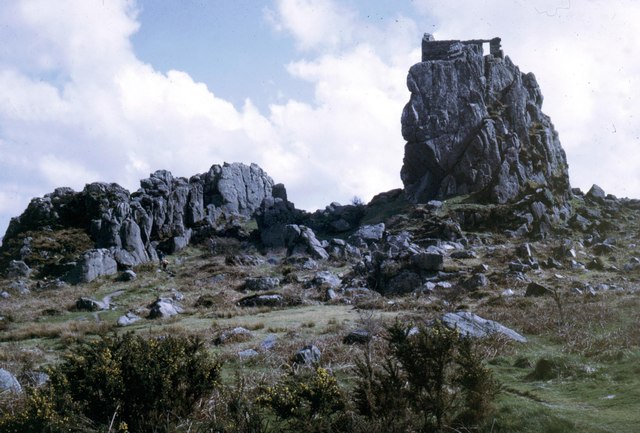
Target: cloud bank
78, 106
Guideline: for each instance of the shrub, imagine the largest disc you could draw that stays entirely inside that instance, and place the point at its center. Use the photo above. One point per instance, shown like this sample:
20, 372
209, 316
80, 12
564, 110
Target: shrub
432, 381
305, 403
124, 381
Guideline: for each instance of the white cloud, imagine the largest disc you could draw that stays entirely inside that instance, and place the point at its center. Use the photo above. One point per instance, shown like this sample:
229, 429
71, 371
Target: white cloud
78, 106
314, 23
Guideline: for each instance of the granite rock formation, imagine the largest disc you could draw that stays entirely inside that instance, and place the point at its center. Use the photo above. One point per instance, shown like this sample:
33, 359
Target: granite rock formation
474, 126
129, 229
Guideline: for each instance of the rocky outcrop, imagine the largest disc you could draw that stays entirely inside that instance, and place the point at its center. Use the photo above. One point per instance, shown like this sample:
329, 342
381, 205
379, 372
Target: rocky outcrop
474, 126
165, 213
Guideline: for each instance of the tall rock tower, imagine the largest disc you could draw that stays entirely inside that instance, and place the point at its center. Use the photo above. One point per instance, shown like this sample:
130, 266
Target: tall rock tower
474, 126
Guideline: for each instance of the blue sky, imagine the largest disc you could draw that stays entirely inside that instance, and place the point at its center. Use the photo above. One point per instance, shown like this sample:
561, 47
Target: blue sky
311, 90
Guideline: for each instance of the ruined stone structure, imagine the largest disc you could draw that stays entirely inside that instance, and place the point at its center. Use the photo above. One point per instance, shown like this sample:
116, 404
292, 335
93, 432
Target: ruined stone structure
445, 50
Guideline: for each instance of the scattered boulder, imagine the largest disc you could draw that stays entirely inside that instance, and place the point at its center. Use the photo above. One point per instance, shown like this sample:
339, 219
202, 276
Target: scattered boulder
269, 342
247, 354
476, 281
464, 254
264, 300
128, 319
261, 284
357, 336
88, 304
326, 280
18, 269
128, 275
163, 308
536, 289
9, 383
307, 355
243, 260
405, 281
472, 325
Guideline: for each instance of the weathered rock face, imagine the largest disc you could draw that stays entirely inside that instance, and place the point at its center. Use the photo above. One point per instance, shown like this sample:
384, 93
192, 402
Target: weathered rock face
165, 212
474, 125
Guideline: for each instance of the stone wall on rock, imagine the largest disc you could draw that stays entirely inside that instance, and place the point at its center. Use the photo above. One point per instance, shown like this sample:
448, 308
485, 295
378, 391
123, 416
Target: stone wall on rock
474, 126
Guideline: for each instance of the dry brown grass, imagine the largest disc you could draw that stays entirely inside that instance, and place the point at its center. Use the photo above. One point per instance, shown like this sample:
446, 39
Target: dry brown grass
67, 332
592, 326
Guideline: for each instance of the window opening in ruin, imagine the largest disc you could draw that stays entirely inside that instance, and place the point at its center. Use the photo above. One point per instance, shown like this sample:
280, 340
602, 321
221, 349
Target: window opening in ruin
486, 49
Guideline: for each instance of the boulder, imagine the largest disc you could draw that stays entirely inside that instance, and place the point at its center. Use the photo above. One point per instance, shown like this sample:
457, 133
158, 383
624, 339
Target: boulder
472, 325
596, 194
357, 336
266, 300
163, 308
302, 240
326, 280
128, 275
476, 281
427, 261
128, 319
261, 284
92, 264
18, 269
9, 383
247, 354
307, 355
367, 234
269, 342
243, 260
88, 304
405, 281
535, 289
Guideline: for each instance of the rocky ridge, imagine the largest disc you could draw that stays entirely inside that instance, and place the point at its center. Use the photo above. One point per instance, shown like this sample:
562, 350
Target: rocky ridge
113, 228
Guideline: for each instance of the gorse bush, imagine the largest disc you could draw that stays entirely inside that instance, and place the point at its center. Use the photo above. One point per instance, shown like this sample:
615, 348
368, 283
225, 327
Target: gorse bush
431, 380
304, 402
129, 382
